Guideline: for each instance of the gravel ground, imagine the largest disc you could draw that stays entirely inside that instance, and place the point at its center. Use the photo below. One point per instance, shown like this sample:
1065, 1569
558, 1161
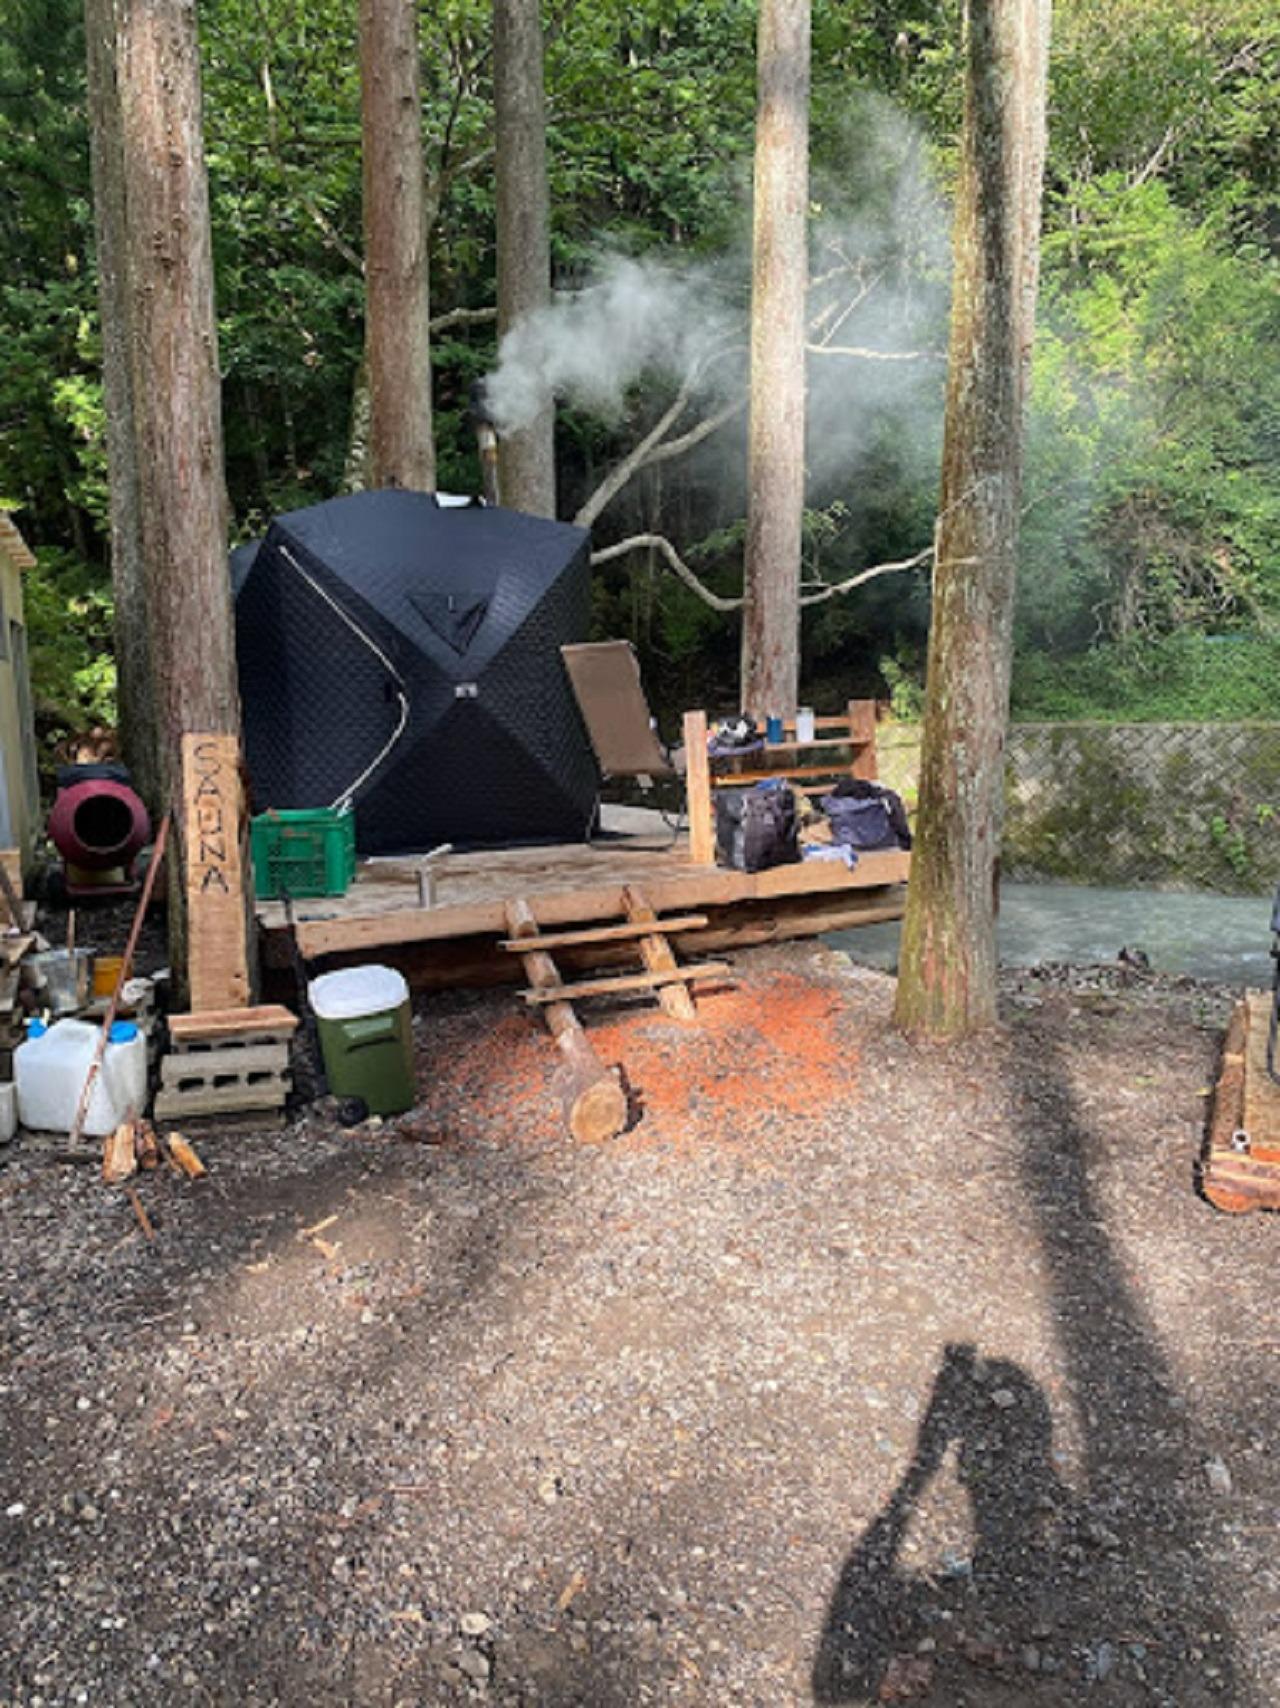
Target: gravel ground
857, 1372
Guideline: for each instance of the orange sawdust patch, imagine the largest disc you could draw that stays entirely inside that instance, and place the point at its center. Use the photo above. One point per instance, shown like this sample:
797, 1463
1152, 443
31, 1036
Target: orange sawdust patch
763, 1053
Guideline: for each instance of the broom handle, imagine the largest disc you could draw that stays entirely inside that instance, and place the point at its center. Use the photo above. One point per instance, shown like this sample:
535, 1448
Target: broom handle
122, 978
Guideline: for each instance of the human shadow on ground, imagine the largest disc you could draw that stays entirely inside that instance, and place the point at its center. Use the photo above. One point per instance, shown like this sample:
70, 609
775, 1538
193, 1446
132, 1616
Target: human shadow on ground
998, 1422
1063, 1589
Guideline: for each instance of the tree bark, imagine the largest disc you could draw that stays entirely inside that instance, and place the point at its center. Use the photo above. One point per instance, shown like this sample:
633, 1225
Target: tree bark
397, 331
775, 448
526, 460
948, 963
135, 709
161, 306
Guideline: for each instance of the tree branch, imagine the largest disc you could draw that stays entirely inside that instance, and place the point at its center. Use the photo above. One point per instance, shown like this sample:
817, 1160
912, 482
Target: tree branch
462, 317
651, 448
832, 589
658, 543
866, 354
704, 429
717, 601
332, 235
621, 472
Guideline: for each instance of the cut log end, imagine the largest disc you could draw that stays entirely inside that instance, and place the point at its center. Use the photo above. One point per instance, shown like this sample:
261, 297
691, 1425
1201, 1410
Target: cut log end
598, 1112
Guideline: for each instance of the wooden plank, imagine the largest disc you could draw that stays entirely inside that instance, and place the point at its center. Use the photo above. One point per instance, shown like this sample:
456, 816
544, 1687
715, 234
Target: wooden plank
443, 964
656, 953
736, 779
862, 728
217, 947
671, 886
883, 866
844, 741
12, 949
633, 928
227, 1022
697, 782
1261, 1093
628, 982
11, 864
11, 890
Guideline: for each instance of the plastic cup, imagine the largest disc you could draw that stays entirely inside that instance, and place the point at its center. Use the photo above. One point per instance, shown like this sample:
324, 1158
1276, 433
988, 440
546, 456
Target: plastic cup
106, 970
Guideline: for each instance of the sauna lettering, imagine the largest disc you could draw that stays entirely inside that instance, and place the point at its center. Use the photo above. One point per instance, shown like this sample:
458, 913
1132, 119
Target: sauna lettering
211, 820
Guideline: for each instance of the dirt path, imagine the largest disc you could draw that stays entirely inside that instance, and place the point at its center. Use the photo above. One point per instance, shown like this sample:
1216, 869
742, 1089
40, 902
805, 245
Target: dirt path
857, 1372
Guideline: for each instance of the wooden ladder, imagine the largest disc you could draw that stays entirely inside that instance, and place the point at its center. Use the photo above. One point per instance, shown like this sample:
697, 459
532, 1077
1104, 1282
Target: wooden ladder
594, 1099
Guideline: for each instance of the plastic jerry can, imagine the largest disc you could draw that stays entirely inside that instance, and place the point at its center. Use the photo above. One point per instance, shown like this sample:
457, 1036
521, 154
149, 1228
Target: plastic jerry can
50, 1067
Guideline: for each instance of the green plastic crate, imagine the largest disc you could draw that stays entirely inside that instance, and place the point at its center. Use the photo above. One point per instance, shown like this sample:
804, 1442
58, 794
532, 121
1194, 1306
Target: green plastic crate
308, 851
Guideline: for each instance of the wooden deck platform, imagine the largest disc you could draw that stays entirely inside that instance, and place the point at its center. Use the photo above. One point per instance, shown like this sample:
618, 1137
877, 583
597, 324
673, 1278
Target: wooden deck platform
456, 940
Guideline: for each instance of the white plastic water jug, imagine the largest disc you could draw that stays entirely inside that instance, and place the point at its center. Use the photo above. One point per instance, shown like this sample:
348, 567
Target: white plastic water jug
49, 1069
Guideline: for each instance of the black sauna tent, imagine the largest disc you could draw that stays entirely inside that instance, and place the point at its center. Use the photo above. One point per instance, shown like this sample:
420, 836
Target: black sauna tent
405, 652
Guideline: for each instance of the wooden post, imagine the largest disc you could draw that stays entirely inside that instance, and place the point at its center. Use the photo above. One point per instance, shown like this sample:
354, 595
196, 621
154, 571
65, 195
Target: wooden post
862, 728
217, 940
595, 1104
697, 782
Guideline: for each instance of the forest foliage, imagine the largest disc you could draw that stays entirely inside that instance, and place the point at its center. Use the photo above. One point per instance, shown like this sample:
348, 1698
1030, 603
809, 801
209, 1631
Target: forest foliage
1150, 580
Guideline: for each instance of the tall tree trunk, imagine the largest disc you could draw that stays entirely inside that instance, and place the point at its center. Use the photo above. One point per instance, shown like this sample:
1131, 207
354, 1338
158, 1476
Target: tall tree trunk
947, 976
163, 269
136, 711
780, 277
526, 460
397, 331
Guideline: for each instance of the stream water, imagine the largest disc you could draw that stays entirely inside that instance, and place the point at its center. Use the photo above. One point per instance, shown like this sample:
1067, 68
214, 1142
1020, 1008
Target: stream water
1223, 938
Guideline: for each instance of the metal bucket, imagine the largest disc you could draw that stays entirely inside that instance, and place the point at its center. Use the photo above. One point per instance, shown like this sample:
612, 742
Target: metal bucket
63, 978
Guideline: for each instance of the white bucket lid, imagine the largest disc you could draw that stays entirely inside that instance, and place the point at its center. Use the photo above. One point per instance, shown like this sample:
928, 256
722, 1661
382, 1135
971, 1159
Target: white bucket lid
354, 992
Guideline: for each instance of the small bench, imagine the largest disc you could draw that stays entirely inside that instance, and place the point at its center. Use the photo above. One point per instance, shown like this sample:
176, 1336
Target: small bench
845, 745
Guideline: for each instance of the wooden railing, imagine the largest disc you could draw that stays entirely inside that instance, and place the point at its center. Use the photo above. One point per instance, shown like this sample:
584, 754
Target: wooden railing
851, 735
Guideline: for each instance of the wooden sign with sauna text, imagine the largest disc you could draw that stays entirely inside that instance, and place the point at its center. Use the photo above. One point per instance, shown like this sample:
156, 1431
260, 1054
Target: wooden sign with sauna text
217, 947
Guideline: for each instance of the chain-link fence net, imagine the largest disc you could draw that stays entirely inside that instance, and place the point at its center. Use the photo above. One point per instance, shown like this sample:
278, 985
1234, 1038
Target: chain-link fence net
1186, 806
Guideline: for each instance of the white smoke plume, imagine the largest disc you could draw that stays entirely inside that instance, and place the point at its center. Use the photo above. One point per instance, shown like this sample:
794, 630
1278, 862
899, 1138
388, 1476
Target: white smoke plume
635, 319
879, 260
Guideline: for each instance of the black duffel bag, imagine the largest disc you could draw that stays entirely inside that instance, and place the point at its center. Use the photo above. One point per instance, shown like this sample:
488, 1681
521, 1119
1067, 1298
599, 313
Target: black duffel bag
756, 828
866, 816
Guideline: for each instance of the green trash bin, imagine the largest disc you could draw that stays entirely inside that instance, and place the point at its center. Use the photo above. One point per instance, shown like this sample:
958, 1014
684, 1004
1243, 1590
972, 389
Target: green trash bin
366, 1036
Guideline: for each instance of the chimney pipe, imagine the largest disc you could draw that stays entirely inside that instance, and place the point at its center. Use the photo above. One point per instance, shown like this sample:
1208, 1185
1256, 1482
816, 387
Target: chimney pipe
486, 431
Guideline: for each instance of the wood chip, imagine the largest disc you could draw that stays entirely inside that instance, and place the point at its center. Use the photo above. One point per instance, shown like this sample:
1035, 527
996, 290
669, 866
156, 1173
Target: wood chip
183, 1157
145, 1145
317, 1228
144, 1221
576, 1584
119, 1158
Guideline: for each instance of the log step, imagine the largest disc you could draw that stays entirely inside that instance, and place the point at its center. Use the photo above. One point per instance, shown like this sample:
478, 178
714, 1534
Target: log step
626, 982
594, 1101
604, 933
